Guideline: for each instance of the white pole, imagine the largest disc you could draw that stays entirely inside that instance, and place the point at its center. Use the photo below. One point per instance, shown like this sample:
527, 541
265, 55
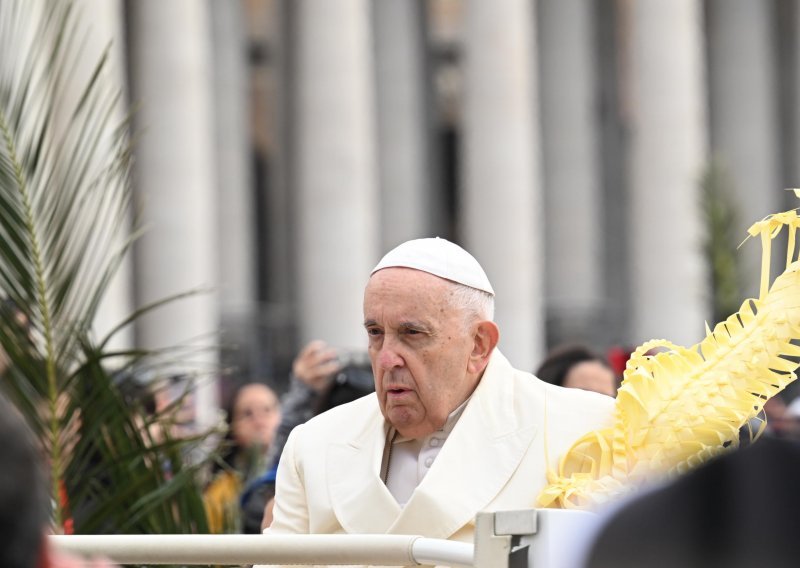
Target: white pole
386, 550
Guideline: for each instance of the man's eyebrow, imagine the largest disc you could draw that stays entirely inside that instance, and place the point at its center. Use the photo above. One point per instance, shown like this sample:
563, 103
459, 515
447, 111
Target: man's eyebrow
421, 325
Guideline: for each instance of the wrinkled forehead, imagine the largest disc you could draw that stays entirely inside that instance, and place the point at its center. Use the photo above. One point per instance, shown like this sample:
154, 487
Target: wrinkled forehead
402, 278
408, 291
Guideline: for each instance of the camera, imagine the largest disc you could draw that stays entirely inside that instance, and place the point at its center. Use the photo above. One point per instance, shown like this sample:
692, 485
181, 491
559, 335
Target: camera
353, 358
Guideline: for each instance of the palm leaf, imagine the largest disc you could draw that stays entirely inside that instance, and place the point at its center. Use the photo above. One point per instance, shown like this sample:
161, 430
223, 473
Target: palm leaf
679, 407
64, 204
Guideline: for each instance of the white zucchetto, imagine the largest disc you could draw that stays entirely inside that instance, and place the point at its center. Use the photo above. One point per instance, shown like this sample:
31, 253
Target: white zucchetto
439, 257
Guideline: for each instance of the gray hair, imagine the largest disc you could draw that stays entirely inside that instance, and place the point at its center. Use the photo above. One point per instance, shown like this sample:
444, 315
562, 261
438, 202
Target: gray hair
476, 304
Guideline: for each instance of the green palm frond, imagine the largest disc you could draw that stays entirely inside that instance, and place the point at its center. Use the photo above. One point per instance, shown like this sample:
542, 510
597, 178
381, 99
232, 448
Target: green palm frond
722, 219
65, 200
127, 480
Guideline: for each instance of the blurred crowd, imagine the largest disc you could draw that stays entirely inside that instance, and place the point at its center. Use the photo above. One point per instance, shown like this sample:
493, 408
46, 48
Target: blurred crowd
238, 497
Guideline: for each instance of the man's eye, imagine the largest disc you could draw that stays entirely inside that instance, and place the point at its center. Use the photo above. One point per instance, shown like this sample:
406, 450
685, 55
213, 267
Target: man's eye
413, 332
373, 331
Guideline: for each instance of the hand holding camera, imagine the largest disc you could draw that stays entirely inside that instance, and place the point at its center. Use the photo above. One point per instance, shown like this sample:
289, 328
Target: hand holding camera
316, 363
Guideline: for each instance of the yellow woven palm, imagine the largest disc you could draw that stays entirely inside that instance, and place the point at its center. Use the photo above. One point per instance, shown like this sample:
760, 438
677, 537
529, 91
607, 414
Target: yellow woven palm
681, 406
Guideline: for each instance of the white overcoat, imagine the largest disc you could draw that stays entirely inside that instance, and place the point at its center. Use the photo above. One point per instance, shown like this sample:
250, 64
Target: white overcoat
513, 428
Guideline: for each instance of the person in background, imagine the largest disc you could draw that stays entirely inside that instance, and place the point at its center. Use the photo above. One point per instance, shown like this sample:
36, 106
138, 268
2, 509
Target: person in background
252, 415
316, 371
24, 501
313, 370
783, 420
577, 367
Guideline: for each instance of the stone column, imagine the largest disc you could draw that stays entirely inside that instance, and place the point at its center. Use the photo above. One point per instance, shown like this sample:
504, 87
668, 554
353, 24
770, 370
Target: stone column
237, 213
668, 154
171, 70
102, 21
236, 255
574, 240
744, 129
337, 198
501, 201
404, 142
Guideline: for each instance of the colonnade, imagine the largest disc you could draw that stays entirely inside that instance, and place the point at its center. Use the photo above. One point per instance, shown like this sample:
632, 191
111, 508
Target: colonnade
358, 166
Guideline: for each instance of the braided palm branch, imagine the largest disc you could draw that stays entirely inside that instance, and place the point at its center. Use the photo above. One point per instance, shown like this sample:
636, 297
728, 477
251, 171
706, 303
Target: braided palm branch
681, 406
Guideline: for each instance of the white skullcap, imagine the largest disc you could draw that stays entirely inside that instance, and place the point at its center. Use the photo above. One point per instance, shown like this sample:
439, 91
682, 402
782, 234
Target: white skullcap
439, 257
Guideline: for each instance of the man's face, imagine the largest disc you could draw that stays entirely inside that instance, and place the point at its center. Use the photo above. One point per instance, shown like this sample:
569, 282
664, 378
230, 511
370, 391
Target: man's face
419, 346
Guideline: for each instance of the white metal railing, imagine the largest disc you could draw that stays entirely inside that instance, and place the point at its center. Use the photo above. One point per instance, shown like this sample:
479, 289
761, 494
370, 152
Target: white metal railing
386, 550
544, 538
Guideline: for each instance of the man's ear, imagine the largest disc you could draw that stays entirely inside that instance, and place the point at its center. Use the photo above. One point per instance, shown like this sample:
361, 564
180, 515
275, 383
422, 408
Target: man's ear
487, 334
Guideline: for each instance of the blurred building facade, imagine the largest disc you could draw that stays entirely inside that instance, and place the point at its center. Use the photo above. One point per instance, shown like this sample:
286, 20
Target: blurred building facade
283, 145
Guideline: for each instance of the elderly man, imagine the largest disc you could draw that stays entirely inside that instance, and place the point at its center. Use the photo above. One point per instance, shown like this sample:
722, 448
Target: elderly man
453, 428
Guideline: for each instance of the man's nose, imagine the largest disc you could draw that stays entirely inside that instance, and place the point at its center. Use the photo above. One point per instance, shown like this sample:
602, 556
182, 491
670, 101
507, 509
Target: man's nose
389, 358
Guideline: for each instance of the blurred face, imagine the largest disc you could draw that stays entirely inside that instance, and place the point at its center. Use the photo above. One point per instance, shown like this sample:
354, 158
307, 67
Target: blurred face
255, 416
592, 376
420, 347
